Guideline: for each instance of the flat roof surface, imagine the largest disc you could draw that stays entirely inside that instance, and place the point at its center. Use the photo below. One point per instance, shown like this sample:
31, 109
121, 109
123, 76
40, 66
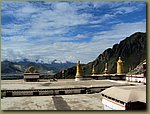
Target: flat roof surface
127, 94
58, 102
68, 83
138, 88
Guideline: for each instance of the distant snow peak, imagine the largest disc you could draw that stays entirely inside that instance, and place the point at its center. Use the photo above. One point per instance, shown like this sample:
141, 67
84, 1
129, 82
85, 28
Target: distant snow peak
39, 60
56, 61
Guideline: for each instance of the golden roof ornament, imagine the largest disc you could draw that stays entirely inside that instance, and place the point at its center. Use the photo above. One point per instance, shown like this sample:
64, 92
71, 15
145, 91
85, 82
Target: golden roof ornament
106, 69
31, 69
93, 70
79, 70
119, 61
120, 68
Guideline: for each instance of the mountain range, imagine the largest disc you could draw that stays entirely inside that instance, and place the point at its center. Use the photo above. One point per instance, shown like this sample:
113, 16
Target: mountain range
9, 67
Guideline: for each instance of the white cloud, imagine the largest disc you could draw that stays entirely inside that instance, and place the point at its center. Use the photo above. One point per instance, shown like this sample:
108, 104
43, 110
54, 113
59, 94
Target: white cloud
118, 32
15, 29
11, 55
14, 39
44, 23
31, 39
103, 18
64, 51
80, 36
124, 10
28, 9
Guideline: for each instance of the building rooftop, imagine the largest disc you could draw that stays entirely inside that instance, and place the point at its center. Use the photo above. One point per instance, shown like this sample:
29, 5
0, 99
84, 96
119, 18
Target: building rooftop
64, 83
127, 94
58, 102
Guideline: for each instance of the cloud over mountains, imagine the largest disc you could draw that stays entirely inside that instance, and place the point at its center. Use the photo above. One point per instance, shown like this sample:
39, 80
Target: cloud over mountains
67, 31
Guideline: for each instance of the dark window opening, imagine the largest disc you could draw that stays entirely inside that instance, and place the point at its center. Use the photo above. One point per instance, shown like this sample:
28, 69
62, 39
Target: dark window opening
8, 94
61, 92
83, 91
36, 93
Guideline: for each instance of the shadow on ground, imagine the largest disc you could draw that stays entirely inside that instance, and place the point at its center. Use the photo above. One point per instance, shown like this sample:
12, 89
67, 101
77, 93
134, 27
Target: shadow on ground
60, 103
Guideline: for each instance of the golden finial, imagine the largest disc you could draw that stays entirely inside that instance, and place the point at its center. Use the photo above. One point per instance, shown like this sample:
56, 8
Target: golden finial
79, 70
120, 68
31, 69
120, 60
93, 70
106, 68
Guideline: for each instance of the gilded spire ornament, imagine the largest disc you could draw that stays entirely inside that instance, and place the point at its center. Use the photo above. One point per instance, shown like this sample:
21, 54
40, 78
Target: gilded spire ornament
78, 76
79, 70
120, 68
93, 70
106, 69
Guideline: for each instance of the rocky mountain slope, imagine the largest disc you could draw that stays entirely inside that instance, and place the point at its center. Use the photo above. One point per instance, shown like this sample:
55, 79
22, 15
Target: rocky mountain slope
138, 69
132, 50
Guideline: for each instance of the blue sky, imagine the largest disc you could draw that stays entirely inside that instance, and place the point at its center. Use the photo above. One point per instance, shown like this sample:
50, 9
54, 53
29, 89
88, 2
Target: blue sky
67, 31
